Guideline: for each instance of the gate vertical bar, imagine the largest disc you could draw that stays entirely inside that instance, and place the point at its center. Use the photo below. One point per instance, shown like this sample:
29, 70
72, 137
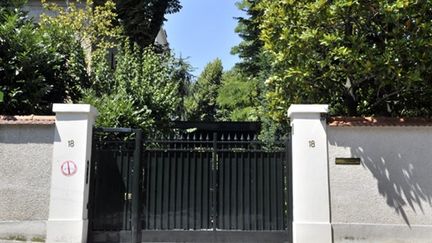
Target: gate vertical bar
288, 184
92, 180
214, 165
136, 202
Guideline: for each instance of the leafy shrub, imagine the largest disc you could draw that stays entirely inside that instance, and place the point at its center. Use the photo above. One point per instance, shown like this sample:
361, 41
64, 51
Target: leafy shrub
140, 92
38, 65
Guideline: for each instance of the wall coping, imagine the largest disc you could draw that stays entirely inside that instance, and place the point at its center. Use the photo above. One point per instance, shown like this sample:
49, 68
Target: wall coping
378, 122
307, 109
74, 108
27, 120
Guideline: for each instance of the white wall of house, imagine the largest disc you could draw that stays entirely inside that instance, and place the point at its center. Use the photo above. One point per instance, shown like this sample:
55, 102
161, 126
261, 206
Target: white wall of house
35, 9
25, 176
388, 197
161, 38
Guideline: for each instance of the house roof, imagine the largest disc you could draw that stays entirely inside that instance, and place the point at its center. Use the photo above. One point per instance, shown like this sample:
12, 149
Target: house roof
377, 121
27, 120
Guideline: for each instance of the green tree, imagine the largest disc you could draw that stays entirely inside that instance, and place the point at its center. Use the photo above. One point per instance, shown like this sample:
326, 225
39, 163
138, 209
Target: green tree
201, 105
142, 20
181, 74
93, 26
237, 98
253, 60
145, 87
254, 68
39, 65
255, 64
361, 57
141, 92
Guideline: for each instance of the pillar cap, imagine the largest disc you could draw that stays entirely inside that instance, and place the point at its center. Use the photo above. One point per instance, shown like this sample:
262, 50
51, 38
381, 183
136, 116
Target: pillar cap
302, 109
75, 108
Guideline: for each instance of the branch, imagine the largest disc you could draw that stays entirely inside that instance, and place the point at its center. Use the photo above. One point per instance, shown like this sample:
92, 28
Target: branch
386, 96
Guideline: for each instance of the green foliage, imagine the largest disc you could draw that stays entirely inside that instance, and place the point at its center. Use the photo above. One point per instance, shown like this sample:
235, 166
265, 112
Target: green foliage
182, 76
142, 20
144, 89
201, 104
237, 97
118, 110
140, 92
93, 26
43, 64
254, 68
361, 57
272, 131
250, 50
38, 65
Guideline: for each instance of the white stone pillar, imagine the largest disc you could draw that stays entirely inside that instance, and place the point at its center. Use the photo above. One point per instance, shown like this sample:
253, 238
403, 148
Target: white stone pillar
68, 221
310, 181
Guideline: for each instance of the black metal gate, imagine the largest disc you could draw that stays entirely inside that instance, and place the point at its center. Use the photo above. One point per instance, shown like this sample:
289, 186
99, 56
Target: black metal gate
114, 196
195, 186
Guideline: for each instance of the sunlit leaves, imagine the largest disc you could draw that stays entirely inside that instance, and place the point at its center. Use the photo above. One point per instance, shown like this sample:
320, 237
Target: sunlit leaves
139, 93
94, 26
38, 66
201, 105
238, 97
361, 57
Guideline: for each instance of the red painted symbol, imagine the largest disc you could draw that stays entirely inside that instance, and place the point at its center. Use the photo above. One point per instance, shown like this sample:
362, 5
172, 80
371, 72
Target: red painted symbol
69, 168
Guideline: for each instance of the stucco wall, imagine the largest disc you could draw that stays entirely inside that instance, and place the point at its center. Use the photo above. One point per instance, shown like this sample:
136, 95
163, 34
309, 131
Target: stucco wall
388, 198
25, 174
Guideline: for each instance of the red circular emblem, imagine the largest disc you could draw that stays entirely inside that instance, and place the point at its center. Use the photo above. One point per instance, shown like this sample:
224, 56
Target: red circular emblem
68, 168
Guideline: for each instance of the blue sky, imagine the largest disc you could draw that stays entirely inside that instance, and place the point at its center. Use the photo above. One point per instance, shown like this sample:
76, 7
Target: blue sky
204, 30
